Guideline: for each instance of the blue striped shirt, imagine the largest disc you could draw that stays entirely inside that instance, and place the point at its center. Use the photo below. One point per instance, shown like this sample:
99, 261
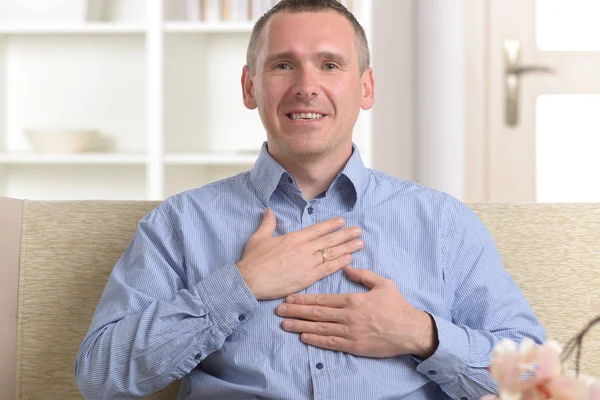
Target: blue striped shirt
175, 305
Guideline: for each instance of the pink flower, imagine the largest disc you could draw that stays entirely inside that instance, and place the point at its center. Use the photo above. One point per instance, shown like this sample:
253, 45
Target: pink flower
535, 373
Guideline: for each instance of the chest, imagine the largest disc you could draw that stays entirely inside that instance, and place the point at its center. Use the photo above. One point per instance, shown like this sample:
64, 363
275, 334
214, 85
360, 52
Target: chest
398, 246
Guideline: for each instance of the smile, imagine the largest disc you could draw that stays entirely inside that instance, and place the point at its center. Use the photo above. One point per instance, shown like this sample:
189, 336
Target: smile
305, 116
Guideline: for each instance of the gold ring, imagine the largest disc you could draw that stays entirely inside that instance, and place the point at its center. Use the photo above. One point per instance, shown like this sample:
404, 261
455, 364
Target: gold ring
324, 255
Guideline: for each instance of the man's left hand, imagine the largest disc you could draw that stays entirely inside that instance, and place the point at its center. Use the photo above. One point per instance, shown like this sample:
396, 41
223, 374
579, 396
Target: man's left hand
379, 323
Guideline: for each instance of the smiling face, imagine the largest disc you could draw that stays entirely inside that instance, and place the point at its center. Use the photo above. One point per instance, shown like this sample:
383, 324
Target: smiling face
307, 86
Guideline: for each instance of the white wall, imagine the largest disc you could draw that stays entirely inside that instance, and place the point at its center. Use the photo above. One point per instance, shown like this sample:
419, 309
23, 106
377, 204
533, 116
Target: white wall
419, 59
393, 113
440, 76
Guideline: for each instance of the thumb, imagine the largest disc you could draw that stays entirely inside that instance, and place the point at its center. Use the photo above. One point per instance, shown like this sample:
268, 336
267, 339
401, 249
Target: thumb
267, 226
368, 278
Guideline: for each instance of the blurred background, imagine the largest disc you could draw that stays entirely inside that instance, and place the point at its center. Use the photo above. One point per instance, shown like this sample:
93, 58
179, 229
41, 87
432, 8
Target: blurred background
488, 100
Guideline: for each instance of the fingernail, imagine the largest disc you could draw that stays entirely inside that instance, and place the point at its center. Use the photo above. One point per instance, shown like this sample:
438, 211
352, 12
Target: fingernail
360, 243
287, 324
291, 299
339, 220
358, 230
281, 309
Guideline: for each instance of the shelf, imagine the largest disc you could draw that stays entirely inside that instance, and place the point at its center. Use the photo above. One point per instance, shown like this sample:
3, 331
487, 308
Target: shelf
76, 159
91, 28
124, 159
210, 158
163, 90
210, 27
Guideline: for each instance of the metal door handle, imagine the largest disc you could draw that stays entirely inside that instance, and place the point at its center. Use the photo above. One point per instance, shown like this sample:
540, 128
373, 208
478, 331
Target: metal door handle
512, 78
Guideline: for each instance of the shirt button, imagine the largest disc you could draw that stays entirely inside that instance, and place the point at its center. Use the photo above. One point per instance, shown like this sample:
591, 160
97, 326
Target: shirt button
431, 372
310, 210
198, 357
242, 317
319, 366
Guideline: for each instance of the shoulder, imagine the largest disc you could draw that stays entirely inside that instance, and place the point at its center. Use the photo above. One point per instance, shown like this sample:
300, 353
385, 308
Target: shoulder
421, 205
224, 191
410, 194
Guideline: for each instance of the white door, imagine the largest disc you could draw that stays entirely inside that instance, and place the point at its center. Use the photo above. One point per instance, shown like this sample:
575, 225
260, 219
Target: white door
543, 100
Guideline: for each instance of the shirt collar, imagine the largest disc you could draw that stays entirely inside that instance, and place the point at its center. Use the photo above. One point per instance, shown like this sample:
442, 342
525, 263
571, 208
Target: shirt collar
356, 172
267, 174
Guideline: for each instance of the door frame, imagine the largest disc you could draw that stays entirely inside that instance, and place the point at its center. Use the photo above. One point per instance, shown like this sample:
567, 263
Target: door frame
476, 107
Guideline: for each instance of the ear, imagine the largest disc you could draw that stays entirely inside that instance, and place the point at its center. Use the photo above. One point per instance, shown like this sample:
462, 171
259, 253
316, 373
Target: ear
368, 89
248, 89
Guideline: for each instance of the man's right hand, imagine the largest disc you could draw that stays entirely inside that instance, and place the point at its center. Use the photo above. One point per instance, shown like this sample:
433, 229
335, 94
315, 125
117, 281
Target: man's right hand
273, 267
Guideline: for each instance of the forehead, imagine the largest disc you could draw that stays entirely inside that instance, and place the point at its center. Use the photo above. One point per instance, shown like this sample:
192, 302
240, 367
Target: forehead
305, 31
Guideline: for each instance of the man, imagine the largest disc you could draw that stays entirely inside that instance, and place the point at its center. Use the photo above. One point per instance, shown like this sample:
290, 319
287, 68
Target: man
238, 287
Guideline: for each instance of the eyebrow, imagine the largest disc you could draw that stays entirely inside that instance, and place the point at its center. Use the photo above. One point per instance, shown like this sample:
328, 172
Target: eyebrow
322, 55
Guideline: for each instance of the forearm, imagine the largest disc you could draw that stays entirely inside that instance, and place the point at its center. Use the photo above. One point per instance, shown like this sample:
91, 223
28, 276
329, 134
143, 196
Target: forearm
144, 351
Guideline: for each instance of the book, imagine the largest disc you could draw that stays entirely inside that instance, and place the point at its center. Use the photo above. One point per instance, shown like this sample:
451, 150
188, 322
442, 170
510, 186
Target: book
242, 10
192, 10
210, 10
227, 10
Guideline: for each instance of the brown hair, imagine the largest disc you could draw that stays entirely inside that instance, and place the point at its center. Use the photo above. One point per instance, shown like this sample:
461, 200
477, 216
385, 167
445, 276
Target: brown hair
298, 6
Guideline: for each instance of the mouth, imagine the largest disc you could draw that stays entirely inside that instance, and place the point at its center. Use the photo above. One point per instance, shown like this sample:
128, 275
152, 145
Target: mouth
305, 116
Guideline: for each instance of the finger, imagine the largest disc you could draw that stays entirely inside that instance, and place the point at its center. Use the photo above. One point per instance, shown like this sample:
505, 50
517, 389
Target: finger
322, 228
318, 328
267, 226
368, 278
337, 251
327, 268
326, 300
310, 313
331, 240
327, 342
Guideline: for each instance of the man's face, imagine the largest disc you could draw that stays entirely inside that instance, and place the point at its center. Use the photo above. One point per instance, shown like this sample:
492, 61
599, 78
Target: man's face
307, 85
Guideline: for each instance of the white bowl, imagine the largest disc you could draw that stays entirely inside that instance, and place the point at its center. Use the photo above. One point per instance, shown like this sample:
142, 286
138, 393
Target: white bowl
61, 141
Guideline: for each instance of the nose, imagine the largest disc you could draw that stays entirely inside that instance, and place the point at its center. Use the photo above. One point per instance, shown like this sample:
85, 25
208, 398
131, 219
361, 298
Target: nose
307, 85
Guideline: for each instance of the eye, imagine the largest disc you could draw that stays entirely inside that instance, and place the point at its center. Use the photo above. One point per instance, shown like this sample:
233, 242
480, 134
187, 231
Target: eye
330, 66
282, 66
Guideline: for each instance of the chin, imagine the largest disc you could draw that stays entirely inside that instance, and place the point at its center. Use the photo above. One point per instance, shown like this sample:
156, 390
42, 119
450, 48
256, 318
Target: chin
309, 149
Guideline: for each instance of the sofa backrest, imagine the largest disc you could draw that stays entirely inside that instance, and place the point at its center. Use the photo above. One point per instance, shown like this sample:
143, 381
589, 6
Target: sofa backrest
52, 278
553, 252
67, 251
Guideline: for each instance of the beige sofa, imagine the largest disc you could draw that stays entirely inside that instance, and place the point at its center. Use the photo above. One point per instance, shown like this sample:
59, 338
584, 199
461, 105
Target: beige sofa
55, 258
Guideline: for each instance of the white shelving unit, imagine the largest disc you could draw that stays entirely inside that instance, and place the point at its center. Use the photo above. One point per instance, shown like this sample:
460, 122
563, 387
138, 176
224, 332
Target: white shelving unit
209, 27
164, 94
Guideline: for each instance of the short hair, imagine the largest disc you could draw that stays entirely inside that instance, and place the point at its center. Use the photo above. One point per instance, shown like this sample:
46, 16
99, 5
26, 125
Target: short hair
298, 6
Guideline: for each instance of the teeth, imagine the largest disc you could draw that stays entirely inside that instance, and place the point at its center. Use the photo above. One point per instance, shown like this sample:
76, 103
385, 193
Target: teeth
305, 116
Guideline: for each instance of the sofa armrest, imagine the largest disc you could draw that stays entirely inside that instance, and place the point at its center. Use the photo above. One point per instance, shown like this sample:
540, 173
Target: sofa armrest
11, 211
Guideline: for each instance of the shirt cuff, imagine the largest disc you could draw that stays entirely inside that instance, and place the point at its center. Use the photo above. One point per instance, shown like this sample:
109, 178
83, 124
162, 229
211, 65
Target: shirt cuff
228, 300
450, 358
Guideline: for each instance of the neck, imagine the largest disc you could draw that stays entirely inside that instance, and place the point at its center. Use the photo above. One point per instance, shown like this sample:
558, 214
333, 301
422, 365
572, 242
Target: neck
314, 174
